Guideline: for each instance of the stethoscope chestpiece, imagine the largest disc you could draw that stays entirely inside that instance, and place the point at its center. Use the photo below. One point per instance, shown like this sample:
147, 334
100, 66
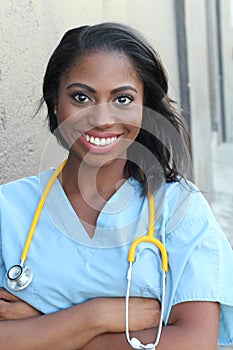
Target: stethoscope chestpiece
19, 277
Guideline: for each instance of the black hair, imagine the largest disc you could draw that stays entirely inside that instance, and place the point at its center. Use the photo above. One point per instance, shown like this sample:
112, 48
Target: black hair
164, 133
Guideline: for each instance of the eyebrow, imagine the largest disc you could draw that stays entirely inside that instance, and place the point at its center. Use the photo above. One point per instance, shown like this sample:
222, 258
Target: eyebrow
90, 89
122, 88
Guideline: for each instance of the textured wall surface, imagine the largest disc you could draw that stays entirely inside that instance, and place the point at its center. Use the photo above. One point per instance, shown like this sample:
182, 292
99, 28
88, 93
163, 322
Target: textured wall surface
29, 31
27, 35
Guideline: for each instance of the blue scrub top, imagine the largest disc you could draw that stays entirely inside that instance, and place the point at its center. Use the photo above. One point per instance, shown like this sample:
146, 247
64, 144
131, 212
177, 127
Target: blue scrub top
69, 267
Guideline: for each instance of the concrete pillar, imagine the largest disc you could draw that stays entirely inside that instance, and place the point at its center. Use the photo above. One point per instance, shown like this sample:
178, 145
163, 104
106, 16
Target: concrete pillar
214, 74
226, 13
197, 53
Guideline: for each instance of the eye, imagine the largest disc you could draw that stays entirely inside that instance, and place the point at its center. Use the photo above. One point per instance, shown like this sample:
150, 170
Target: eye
124, 100
80, 97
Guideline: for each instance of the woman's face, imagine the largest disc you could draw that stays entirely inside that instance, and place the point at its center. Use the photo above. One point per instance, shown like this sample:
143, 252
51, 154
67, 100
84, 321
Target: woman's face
99, 107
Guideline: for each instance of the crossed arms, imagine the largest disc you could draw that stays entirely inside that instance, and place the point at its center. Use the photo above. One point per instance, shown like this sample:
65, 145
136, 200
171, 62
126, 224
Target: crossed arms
95, 324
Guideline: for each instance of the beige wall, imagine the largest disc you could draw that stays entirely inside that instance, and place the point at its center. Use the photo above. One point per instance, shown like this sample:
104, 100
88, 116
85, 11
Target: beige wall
29, 31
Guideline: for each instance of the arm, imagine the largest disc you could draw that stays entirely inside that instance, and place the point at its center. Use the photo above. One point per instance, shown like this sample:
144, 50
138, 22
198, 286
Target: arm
71, 328
192, 325
67, 329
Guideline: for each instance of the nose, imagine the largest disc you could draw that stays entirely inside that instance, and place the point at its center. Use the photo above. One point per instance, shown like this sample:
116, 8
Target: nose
102, 116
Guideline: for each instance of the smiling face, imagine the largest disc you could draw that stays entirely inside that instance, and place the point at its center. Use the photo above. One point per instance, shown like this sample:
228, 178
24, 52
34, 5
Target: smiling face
99, 107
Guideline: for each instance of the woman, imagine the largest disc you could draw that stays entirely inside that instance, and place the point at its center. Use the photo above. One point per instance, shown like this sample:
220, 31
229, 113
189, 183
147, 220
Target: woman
106, 93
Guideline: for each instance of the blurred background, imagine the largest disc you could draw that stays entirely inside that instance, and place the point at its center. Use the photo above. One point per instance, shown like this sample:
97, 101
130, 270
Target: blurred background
193, 37
195, 41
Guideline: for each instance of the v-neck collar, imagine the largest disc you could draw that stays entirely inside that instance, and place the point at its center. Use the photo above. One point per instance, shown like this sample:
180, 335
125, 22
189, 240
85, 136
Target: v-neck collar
123, 217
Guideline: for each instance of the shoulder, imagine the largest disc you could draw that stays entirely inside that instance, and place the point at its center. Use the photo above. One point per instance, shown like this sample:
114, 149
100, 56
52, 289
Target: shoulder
23, 188
187, 221
186, 207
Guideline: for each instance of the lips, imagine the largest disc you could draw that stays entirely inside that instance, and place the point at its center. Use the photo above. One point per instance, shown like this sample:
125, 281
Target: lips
99, 142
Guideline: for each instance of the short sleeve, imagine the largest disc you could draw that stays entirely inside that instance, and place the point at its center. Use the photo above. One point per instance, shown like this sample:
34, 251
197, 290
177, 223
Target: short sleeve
200, 264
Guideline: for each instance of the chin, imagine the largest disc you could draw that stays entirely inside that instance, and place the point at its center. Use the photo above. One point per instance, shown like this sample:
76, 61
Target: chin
99, 164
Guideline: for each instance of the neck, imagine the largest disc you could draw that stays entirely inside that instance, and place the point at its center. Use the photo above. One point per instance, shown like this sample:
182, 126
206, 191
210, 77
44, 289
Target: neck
78, 178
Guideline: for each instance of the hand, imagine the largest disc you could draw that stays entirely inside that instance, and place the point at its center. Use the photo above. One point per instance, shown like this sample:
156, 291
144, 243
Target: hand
12, 308
144, 313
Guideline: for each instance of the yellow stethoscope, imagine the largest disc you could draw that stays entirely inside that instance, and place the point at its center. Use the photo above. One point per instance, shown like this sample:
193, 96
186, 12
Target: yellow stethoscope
20, 276
134, 342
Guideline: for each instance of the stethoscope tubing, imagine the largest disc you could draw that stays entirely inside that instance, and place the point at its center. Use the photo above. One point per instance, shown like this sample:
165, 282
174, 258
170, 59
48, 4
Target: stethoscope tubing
150, 346
149, 238
38, 211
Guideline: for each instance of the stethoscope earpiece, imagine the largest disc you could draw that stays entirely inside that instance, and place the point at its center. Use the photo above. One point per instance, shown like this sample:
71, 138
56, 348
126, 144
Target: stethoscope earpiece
136, 344
19, 277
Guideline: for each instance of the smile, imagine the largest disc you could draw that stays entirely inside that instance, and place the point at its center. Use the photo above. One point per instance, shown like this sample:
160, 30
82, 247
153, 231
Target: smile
101, 142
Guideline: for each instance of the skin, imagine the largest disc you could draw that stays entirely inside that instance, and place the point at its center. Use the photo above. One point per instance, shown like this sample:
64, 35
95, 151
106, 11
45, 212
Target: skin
110, 97
192, 325
97, 323
23, 327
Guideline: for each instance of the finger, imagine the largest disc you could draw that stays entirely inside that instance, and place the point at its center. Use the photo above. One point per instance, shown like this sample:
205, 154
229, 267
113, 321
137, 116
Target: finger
7, 296
17, 310
3, 299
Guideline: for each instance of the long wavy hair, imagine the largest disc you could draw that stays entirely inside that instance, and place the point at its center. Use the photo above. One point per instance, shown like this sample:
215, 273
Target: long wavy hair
163, 155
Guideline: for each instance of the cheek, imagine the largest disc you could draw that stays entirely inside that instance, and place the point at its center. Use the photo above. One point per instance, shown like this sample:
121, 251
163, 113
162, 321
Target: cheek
132, 116
134, 119
65, 112
67, 125
133, 132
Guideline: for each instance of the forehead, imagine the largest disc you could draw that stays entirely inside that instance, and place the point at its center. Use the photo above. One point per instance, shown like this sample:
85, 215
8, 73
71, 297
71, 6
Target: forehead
115, 68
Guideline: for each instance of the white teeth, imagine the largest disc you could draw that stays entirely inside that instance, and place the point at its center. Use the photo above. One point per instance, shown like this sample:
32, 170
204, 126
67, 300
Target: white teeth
103, 142
99, 141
